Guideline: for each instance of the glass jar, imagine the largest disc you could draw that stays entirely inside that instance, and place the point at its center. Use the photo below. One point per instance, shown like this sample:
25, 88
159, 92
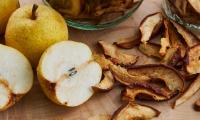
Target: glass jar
85, 25
190, 21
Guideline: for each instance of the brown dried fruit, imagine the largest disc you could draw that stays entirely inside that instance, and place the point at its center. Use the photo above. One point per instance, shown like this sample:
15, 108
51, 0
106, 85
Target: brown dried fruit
189, 37
193, 88
193, 60
195, 4
171, 39
130, 42
150, 49
103, 62
132, 111
150, 25
192, 16
165, 42
197, 105
171, 77
122, 76
106, 84
172, 57
175, 39
137, 80
164, 46
187, 12
100, 117
130, 94
182, 70
181, 6
190, 76
116, 56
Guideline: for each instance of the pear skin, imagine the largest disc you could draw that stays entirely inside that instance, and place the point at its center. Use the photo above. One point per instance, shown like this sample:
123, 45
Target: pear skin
7, 7
32, 29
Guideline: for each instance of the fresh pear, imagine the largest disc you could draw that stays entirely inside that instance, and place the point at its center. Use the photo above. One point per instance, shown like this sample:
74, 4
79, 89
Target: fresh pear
67, 72
16, 76
33, 28
7, 7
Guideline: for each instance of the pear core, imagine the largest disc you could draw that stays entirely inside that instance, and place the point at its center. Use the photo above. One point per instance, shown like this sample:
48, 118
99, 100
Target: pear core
70, 67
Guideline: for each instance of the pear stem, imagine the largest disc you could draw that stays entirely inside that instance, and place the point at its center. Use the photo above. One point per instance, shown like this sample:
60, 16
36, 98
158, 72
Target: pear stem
34, 8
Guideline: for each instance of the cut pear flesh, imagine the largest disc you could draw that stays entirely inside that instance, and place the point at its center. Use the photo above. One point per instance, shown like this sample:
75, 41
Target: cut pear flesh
76, 89
5, 95
70, 66
16, 76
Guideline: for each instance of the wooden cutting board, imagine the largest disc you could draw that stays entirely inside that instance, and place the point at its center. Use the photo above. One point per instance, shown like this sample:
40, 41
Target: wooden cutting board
35, 106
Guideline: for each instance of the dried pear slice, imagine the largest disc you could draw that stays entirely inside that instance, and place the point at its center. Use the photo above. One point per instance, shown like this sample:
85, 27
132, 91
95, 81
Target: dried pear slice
190, 38
193, 59
172, 57
165, 41
171, 77
130, 42
181, 6
197, 105
130, 94
175, 39
150, 50
106, 83
103, 62
195, 4
150, 25
138, 80
193, 88
132, 111
164, 46
116, 56
122, 76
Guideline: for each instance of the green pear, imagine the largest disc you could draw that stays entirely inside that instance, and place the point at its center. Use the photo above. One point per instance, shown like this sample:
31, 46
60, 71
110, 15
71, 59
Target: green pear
7, 7
32, 29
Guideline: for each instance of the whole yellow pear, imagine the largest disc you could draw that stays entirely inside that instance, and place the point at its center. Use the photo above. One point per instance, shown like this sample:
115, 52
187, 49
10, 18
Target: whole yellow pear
33, 28
7, 7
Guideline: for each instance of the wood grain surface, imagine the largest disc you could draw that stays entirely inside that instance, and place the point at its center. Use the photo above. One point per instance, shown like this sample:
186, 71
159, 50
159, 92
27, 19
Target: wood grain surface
35, 106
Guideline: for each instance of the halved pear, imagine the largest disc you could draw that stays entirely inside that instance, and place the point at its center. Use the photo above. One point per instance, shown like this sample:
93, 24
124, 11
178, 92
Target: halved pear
16, 76
67, 72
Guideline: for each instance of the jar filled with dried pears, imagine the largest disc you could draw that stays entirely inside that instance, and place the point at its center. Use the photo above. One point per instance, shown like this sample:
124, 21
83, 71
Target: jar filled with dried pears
67, 7
90, 9
185, 12
95, 12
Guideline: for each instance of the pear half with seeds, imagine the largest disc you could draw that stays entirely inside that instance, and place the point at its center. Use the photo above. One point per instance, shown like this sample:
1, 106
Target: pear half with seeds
16, 76
67, 72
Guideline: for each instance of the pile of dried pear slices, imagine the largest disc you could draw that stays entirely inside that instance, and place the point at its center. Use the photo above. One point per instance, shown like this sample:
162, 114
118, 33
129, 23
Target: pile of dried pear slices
177, 53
